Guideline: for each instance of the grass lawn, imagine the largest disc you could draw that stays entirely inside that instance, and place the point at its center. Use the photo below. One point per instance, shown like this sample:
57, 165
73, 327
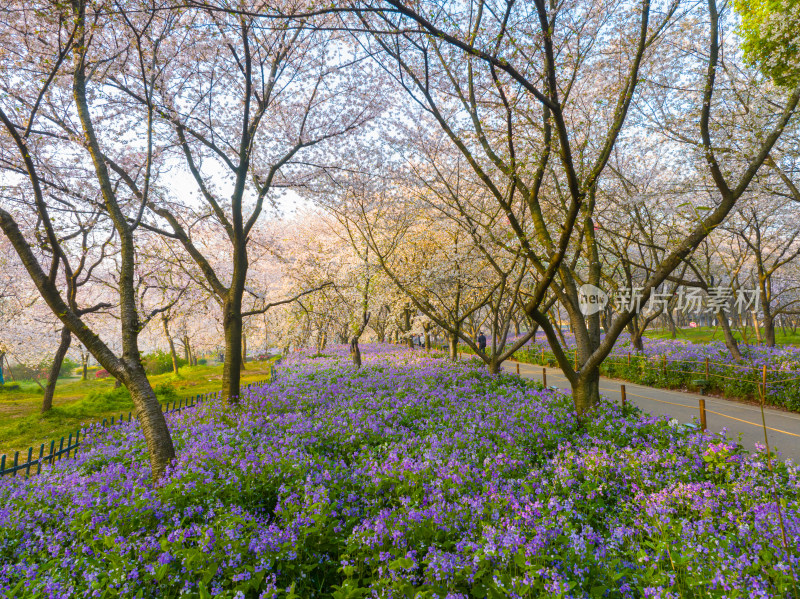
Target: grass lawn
74, 404
706, 334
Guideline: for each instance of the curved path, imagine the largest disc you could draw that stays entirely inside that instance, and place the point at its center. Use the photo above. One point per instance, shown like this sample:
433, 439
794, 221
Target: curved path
737, 418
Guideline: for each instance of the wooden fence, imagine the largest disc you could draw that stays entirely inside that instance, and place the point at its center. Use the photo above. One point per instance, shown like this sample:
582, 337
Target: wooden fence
32, 463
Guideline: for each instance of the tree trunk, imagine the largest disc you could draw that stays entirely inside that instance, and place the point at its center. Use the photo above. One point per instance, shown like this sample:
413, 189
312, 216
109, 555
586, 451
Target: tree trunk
636, 334
151, 419
8, 368
355, 352
173, 354
2, 358
493, 366
769, 326
756, 326
407, 327
52, 377
427, 341
586, 391
187, 346
244, 350
673, 331
730, 340
85, 365
231, 371
453, 343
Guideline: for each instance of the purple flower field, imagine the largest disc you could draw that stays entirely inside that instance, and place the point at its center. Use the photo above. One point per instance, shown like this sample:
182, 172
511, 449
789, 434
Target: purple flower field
412, 477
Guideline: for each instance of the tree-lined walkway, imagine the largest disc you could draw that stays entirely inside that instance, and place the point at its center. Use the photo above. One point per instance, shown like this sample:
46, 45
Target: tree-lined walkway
738, 418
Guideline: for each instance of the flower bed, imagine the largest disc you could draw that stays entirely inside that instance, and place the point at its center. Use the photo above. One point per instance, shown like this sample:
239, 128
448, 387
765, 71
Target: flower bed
677, 364
410, 478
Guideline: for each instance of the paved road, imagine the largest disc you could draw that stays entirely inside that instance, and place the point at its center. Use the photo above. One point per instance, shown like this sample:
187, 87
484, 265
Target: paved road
783, 427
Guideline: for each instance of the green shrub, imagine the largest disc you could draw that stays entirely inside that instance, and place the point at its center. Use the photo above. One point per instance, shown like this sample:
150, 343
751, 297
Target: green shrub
166, 392
68, 366
159, 362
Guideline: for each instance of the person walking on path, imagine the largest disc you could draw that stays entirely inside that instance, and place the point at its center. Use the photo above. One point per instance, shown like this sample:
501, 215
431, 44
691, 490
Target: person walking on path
482, 342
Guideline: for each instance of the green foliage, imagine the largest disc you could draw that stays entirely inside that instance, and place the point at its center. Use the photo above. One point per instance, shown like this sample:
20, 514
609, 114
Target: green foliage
770, 31
159, 362
119, 400
9, 387
67, 367
100, 401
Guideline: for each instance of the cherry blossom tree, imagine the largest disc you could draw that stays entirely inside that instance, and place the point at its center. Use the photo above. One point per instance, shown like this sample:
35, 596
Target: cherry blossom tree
65, 160
537, 97
262, 109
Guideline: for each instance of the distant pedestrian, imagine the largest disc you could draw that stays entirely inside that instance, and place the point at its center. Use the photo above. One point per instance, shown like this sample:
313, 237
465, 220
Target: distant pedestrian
482, 342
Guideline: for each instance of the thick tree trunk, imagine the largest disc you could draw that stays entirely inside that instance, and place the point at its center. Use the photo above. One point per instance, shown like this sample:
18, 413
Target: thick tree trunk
244, 350
453, 344
152, 421
231, 371
52, 377
493, 366
355, 352
769, 326
173, 354
586, 391
636, 334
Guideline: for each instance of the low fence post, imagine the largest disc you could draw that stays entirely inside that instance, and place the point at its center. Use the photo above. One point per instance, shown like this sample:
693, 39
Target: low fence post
544, 377
703, 423
517, 368
623, 397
